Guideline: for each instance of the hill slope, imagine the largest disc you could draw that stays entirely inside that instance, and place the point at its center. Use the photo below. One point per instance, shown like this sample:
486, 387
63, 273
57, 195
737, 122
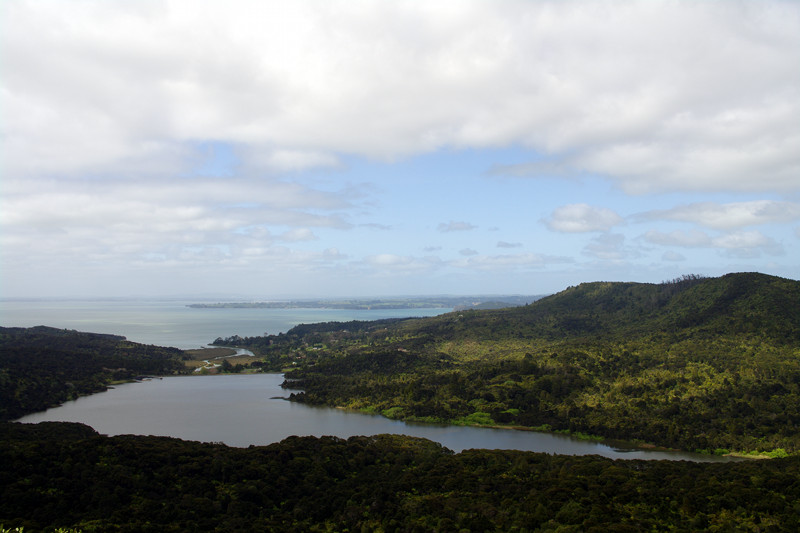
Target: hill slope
698, 363
765, 306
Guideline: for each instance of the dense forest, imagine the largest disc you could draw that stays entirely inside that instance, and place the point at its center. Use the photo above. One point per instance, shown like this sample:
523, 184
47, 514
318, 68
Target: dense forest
710, 364
41, 367
61, 475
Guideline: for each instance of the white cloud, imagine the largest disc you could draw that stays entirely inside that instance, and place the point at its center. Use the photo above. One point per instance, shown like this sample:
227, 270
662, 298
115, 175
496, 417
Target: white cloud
455, 226
373, 225
468, 252
287, 160
749, 243
740, 244
389, 260
125, 222
333, 254
508, 262
388, 264
299, 234
541, 169
503, 244
641, 92
608, 247
392, 264
729, 216
686, 239
577, 218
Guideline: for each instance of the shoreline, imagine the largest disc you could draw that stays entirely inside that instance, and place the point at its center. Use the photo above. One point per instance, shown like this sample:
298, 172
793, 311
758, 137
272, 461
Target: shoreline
617, 444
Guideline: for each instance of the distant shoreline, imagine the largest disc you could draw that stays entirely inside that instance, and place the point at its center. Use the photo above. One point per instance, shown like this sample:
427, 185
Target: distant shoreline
455, 303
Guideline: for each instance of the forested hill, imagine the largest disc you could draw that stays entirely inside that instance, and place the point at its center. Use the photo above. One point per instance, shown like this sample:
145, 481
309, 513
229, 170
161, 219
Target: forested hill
694, 363
741, 304
42, 366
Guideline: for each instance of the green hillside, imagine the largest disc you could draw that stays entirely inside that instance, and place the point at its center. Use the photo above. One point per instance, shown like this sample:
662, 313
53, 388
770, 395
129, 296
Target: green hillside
694, 363
739, 304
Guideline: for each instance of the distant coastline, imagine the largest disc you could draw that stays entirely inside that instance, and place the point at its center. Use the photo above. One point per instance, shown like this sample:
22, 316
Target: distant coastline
448, 302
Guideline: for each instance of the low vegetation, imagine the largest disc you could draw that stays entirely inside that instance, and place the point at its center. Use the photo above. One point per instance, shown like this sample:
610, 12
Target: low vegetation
206, 354
205, 359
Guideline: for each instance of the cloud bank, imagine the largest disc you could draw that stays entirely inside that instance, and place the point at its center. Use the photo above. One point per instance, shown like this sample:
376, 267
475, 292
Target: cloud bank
654, 95
729, 216
580, 218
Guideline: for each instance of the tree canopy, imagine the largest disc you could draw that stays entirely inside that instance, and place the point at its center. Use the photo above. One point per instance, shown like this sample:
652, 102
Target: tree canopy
72, 478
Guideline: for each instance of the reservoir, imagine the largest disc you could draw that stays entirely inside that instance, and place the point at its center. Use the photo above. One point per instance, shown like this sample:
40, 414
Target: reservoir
244, 410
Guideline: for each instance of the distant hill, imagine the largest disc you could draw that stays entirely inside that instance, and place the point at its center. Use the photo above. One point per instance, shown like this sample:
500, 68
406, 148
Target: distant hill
694, 363
735, 303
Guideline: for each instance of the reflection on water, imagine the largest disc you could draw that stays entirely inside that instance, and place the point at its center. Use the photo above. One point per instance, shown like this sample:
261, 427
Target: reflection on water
241, 410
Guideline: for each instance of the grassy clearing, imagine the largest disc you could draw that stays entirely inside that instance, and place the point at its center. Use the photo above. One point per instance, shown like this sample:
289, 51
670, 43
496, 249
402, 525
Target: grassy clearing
232, 359
202, 354
215, 355
241, 359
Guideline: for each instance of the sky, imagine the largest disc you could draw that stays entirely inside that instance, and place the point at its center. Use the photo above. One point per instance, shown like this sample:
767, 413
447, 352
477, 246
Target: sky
345, 148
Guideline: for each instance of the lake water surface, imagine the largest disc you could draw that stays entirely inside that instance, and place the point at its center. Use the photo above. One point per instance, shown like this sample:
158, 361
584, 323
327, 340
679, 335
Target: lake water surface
241, 410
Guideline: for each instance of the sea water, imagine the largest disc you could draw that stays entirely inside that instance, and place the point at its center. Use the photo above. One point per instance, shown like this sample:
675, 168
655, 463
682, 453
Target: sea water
173, 323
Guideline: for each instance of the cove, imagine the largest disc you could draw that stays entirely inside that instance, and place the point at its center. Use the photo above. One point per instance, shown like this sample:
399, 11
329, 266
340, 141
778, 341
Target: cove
244, 410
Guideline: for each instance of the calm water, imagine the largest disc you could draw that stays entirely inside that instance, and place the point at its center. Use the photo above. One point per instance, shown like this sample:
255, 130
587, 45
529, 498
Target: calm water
171, 323
241, 410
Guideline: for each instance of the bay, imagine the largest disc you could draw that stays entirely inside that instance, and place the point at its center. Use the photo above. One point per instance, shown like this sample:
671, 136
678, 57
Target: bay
244, 410
172, 323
